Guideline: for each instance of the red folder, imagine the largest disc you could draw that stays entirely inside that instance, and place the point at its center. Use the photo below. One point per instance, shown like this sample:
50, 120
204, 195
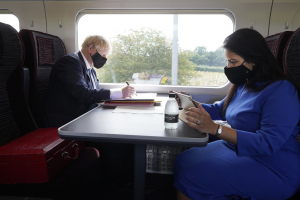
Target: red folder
127, 103
36, 157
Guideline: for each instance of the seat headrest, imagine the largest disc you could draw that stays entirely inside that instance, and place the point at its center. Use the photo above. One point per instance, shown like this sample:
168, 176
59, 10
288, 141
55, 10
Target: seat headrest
10, 59
291, 57
10, 42
43, 49
277, 43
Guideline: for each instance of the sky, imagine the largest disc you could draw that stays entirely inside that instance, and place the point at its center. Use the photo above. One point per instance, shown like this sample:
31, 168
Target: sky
207, 30
10, 19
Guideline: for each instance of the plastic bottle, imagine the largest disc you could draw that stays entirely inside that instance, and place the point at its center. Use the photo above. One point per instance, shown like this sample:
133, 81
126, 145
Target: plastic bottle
171, 112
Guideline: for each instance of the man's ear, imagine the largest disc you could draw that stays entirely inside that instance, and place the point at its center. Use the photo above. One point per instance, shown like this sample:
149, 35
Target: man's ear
90, 47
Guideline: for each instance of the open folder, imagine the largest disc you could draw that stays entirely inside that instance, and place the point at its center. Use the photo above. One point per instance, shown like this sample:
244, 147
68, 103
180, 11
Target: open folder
140, 100
128, 103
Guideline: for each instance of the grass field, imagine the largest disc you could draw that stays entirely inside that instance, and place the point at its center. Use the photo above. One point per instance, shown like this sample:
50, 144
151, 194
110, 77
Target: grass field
203, 78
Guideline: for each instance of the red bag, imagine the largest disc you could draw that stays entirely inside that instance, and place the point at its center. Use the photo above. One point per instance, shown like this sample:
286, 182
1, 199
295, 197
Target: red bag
36, 157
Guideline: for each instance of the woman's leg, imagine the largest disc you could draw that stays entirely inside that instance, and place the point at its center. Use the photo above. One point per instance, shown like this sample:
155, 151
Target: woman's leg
216, 172
181, 196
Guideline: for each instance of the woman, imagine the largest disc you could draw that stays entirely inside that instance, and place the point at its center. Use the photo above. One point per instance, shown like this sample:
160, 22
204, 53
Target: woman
259, 156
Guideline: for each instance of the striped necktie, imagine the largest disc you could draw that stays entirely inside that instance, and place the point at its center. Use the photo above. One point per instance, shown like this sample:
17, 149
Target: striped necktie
92, 77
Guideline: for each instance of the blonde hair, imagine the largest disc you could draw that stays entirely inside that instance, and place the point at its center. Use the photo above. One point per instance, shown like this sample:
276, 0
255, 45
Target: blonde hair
98, 41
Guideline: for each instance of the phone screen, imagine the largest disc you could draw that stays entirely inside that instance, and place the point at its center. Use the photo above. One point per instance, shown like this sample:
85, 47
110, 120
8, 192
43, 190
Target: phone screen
185, 101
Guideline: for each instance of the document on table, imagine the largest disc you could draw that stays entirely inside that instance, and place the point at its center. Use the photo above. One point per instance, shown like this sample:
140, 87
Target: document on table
133, 109
139, 97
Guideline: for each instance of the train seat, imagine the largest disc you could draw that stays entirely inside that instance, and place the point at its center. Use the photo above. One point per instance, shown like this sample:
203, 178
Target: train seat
14, 120
291, 66
17, 121
291, 58
277, 43
42, 51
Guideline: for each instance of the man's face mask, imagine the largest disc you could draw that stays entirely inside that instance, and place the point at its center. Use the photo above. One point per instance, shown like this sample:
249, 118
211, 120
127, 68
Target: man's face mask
237, 75
98, 60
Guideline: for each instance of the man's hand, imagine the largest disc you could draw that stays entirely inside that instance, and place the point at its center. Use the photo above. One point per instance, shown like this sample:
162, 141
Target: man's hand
128, 91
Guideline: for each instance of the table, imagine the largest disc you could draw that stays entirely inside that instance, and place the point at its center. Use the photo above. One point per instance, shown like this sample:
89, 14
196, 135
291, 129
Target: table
100, 124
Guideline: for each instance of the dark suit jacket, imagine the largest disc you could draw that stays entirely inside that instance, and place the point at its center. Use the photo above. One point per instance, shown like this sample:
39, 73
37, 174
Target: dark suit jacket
71, 92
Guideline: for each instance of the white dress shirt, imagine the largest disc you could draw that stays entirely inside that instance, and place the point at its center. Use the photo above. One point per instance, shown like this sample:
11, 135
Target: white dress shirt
114, 93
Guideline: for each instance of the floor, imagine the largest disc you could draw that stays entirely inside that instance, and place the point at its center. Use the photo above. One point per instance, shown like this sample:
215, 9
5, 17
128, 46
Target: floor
158, 187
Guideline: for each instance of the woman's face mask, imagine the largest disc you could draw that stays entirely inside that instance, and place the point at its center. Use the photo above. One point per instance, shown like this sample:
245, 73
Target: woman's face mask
237, 75
98, 60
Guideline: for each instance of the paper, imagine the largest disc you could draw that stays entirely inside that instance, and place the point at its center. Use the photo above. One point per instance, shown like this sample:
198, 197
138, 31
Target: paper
132, 109
139, 97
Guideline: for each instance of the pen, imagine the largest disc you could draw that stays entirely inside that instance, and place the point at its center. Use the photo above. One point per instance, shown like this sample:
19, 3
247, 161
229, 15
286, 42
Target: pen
129, 85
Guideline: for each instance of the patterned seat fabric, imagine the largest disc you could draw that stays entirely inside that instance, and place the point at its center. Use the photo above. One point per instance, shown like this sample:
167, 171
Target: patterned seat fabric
42, 51
15, 118
277, 43
291, 59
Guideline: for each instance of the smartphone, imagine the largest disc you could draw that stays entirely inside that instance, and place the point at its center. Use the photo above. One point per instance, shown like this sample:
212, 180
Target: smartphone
186, 101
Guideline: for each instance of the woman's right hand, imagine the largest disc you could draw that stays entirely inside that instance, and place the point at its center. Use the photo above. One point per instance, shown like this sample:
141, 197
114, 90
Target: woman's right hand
176, 97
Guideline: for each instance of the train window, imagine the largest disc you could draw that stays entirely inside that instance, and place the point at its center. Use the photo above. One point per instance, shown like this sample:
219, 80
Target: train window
7, 18
183, 49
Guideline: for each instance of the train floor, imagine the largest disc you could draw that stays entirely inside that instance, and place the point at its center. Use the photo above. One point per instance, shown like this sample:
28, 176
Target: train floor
158, 187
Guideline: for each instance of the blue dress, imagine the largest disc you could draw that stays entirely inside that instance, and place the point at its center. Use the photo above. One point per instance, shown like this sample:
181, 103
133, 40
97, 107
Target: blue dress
265, 163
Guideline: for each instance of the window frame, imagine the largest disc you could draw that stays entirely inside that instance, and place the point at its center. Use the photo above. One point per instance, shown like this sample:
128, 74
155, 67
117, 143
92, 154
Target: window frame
210, 90
6, 11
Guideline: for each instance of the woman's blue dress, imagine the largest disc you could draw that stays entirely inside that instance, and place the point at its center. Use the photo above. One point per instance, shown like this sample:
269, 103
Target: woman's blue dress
265, 163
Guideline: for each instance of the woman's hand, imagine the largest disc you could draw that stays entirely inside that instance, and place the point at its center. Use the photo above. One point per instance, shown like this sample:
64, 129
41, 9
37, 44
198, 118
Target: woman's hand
206, 124
176, 97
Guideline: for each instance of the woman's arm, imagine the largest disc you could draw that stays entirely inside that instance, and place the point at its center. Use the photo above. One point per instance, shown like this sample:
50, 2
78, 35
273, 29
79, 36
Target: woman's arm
278, 121
215, 110
279, 118
208, 126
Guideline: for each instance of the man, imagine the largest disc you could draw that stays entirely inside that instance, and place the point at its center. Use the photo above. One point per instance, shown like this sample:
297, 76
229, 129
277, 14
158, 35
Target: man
74, 90
73, 84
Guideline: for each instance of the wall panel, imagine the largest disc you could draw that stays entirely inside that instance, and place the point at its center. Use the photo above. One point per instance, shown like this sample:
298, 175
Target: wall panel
67, 11
283, 12
27, 11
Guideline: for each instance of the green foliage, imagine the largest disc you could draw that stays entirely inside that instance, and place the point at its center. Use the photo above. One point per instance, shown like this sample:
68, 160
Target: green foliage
206, 68
209, 58
145, 50
186, 67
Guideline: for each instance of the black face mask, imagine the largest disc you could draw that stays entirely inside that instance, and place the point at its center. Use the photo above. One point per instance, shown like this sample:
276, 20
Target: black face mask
237, 75
98, 60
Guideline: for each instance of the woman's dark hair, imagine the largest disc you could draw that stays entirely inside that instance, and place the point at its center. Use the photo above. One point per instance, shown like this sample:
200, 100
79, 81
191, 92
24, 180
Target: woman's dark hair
252, 46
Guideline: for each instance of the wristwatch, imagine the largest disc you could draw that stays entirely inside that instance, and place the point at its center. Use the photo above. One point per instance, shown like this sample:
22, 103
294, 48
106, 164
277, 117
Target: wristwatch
219, 131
